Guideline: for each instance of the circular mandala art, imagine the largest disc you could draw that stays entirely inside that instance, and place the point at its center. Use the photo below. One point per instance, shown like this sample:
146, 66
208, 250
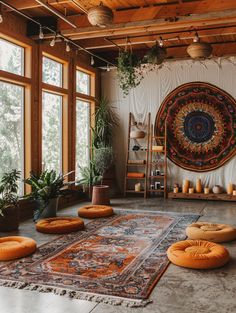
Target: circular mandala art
201, 126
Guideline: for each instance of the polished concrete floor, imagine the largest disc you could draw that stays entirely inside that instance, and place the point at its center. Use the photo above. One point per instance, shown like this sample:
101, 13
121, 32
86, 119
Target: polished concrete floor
178, 291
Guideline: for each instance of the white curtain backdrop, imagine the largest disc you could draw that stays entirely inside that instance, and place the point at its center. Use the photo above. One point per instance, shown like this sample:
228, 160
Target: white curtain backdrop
148, 96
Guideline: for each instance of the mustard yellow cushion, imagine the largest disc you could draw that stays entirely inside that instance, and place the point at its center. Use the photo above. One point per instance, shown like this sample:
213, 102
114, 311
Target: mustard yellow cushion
59, 225
211, 232
15, 247
198, 254
95, 211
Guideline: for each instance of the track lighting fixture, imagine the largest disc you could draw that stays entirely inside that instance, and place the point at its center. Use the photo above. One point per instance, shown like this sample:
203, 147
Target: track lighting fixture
161, 42
92, 60
196, 37
108, 68
67, 47
53, 42
41, 34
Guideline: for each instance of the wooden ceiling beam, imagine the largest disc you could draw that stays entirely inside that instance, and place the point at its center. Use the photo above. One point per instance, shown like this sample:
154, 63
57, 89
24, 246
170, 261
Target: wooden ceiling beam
31, 4
155, 25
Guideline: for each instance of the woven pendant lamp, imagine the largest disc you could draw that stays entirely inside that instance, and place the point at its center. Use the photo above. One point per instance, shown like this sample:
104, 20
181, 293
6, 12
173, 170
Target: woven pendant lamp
199, 49
100, 16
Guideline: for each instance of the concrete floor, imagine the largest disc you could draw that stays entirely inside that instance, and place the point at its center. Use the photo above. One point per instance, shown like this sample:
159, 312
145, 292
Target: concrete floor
178, 291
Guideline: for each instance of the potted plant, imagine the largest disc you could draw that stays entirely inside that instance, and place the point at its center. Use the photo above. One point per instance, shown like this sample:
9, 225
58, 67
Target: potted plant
156, 55
127, 66
9, 211
46, 189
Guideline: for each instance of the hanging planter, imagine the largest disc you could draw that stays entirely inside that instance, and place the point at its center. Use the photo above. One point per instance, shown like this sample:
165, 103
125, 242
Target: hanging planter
156, 55
100, 16
127, 67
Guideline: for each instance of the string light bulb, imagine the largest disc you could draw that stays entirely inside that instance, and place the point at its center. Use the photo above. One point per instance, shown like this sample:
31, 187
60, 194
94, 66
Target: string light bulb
196, 37
92, 60
53, 42
161, 42
41, 34
67, 47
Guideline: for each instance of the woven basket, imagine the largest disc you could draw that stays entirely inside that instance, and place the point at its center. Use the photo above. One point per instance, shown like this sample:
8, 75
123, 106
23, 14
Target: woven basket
199, 50
100, 16
136, 134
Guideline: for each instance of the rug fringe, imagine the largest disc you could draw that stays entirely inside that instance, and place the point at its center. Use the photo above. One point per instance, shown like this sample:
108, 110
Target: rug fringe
132, 303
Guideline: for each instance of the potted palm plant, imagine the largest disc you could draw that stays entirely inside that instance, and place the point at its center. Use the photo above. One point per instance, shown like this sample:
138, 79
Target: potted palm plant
9, 211
46, 189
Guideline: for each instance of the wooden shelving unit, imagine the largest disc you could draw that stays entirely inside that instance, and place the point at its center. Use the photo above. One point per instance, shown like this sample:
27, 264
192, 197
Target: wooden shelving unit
202, 196
157, 166
136, 155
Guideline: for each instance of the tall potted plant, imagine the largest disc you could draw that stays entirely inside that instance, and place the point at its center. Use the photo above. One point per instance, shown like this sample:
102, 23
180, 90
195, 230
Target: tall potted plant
46, 189
9, 211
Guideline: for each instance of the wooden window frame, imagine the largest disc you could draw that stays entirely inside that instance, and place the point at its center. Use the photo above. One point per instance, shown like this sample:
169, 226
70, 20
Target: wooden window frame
25, 81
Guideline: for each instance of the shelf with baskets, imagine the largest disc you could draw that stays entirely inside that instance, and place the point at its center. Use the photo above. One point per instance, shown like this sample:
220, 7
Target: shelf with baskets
137, 157
157, 165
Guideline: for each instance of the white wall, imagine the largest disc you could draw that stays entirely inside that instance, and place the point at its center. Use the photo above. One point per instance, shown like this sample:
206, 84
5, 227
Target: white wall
148, 96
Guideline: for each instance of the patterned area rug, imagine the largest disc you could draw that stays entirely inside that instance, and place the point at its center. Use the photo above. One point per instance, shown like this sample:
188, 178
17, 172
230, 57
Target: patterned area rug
116, 260
201, 126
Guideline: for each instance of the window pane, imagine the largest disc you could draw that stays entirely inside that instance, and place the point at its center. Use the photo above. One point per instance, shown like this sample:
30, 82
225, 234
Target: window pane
11, 128
52, 72
83, 82
82, 135
11, 57
51, 132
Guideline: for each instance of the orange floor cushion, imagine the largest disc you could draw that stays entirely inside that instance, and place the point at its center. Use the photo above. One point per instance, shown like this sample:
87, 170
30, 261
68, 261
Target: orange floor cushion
94, 211
198, 254
59, 225
15, 247
211, 232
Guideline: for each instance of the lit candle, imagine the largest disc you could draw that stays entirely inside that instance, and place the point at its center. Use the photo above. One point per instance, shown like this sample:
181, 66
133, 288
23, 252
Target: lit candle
230, 189
176, 189
191, 190
206, 190
198, 185
137, 187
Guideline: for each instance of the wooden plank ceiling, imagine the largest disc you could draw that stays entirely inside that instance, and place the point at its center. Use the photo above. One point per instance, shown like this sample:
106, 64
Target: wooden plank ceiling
144, 21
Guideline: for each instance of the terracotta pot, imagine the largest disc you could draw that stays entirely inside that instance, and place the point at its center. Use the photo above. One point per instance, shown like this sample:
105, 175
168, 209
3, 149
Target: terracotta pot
100, 16
217, 189
10, 220
101, 195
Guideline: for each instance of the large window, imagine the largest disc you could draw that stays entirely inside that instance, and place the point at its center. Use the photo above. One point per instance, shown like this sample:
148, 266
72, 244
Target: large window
52, 72
12, 57
82, 135
83, 84
52, 131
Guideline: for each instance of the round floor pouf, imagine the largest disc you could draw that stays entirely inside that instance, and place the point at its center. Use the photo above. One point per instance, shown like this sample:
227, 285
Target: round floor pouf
15, 247
59, 225
198, 254
94, 211
211, 232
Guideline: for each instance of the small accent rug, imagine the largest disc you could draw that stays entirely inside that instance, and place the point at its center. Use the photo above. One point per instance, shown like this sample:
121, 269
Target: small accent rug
116, 260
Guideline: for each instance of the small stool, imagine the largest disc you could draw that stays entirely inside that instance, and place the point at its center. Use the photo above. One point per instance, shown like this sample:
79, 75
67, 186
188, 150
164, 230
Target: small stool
15, 247
59, 225
211, 232
95, 211
198, 254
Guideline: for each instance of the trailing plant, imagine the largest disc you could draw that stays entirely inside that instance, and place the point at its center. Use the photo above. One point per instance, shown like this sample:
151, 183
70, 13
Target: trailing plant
8, 190
46, 186
155, 55
128, 76
106, 119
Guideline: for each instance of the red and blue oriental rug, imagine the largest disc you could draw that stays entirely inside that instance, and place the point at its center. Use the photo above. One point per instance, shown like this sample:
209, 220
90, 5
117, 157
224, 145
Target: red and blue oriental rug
116, 260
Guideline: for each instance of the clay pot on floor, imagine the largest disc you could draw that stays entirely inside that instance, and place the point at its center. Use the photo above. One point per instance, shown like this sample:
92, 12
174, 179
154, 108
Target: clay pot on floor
101, 195
10, 220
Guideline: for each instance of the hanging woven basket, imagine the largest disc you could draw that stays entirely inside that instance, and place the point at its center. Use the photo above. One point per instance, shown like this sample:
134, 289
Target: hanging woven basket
100, 16
199, 50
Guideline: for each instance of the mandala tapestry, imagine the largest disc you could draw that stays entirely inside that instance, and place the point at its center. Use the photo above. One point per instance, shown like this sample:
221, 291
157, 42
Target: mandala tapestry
201, 126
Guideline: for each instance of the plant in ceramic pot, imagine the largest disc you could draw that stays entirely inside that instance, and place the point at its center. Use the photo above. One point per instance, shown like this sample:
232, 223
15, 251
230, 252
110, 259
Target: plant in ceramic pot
9, 211
46, 189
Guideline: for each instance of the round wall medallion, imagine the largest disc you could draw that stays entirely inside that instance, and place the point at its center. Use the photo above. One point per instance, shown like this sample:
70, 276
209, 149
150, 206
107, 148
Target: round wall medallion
201, 126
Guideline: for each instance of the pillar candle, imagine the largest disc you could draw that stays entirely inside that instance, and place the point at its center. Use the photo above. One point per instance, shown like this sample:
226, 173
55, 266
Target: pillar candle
137, 187
176, 189
198, 185
206, 190
185, 186
230, 189
234, 192
191, 190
